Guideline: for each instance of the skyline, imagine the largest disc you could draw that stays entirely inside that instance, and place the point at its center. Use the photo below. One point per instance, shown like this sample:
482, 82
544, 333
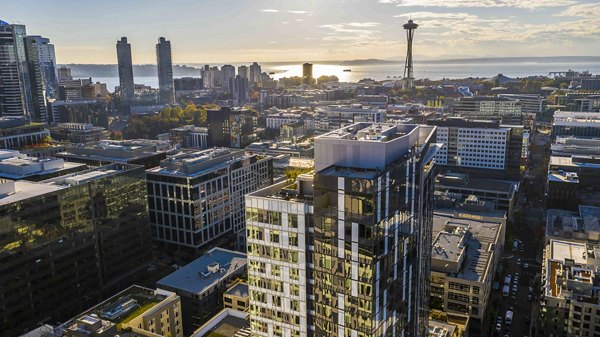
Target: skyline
240, 31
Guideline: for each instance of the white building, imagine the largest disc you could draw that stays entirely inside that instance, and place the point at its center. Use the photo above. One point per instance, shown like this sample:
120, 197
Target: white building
278, 222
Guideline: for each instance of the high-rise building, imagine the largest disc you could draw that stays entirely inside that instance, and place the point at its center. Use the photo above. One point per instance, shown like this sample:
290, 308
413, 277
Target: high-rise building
64, 74
197, 196
238, 87
23, 92
231, 127
243, 72
12, 98
307, 73
38, 109
125, 65
254, 73
47, 59
227, 73
353, 247
165, 71
73, 240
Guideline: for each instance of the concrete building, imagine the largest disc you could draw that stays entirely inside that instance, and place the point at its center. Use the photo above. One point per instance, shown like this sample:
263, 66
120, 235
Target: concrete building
236, 297
336, 116
197, 196
201, 284
83, 234
254, 72
227, 323
189, 136
531, 103
78, 132
239, 89
485, 148
165, 71
570, 273
231, 127
91, 111
459, 186
502, 109
16, 133
136, 311
125, 67
466, 250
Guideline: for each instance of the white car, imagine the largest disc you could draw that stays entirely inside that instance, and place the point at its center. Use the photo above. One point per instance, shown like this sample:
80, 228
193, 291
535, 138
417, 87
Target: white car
526, 265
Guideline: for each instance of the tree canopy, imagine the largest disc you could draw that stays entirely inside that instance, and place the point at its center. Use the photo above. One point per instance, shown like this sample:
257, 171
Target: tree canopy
150, 126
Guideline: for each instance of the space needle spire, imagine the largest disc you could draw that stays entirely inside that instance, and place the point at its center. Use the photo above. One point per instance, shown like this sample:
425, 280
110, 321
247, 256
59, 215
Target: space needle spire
407, 81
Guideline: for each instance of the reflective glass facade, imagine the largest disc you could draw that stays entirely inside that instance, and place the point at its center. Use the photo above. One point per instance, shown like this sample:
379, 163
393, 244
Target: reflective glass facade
64, 249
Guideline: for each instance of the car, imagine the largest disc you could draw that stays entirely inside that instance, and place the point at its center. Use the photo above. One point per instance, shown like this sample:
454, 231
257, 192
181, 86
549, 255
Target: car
513, 296
519, 261
529, 297
526, 265
498, 327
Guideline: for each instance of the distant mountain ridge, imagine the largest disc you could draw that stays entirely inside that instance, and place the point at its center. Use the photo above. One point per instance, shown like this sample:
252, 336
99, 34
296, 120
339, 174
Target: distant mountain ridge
141, 70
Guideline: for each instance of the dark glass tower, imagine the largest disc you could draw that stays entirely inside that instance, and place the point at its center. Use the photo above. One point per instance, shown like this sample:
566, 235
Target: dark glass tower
373, 198
165, 71
125, 65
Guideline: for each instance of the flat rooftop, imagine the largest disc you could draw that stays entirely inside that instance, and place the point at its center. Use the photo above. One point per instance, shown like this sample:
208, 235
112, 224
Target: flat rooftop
193, 163
239, 290
205, 272
460, 180
482, 234
448, 246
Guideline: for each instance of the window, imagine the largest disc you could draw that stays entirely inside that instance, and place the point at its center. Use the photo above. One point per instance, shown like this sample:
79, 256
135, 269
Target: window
293, 220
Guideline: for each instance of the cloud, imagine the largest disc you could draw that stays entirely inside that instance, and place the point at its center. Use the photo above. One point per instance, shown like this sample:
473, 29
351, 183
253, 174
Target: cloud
582, 10
528, 4
270, 10
298, 12
362, 24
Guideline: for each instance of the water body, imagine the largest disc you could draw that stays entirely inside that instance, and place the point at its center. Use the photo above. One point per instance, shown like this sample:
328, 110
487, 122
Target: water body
434, 71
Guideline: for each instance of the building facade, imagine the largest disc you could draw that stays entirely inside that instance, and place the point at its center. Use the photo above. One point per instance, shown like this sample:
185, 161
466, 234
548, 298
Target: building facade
84, 234
125, 67
165, 71
196, 196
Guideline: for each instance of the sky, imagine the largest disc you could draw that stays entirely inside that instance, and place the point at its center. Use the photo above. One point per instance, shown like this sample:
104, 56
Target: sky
224, 31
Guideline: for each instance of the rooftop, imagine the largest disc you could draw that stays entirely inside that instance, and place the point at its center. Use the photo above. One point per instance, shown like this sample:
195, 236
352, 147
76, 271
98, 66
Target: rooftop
469, 236
15, 165
239, 289
188, 162
227, 323
462, 180
205, 272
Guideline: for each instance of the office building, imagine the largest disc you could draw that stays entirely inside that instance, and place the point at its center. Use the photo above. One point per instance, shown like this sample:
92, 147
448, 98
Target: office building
279, 220
231, 127
78, 133
73, 240
254, 73
188, 84
531, 103
373, 192
16, 133
135, 311
243, 72
457, 188
238, 88
23, 91
47, 61
125, 66
165, 71
145, 152
590, 84
485, 148
577, 124
64, 74
197, 196
189, 136
90, 111
201, 284
500, 109
466, 250
19, 166
332, 117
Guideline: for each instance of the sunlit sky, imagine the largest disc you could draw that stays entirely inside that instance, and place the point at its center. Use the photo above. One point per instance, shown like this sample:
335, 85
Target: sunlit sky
221, 31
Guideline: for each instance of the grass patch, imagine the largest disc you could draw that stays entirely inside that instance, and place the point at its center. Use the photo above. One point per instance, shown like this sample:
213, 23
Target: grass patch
136, 313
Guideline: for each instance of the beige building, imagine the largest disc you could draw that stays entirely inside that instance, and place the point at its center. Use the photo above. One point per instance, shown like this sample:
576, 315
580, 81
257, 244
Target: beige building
136, 311
465, 253
236, 297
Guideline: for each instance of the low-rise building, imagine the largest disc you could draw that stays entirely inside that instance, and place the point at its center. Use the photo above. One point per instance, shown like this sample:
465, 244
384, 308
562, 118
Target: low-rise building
78, 132
136, 311
144, 152
18, 166
236, 297
16, 133
466, 249
201, 284
227, 323
189, 136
